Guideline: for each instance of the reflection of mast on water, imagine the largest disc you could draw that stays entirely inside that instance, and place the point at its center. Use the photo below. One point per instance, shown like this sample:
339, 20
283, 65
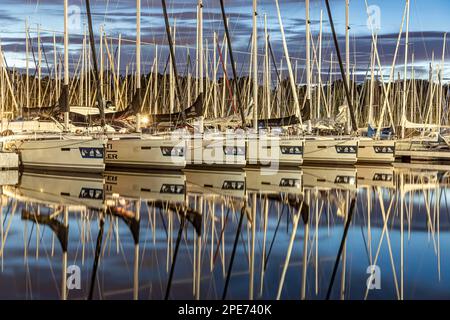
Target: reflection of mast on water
302, 212
344, 255
263, 255
132, 220
305, 250
341, 247
186, 214
233, 253
61, 229
98, 247
252, 251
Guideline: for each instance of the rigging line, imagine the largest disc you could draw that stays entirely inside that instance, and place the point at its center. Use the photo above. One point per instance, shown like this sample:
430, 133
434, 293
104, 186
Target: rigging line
273, 61
34, 57
45, 58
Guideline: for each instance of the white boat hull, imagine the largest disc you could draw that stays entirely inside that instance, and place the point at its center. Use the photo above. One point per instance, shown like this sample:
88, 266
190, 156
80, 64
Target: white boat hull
329, 150
376, 151
421, 150
81, 155
275, 151
153, 153
216, 152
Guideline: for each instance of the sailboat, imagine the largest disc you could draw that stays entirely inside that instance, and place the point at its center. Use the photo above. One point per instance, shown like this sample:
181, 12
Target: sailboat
211, 148
299, 147
59, 150
265, 147
140, 149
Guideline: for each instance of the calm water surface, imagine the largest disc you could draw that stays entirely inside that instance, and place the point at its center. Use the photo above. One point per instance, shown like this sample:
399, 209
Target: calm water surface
128, 232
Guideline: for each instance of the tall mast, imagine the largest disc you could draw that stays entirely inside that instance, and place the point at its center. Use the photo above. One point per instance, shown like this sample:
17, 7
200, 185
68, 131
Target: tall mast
372, 81
319, 94
440, 81
138, 63
65, 93
347, 45
403, 119
308, 58
341, 67
267, 68
172, 56
233, 65
255, 66
27, 63
347, 40
39, 65
200, 53
289, 66
99, 97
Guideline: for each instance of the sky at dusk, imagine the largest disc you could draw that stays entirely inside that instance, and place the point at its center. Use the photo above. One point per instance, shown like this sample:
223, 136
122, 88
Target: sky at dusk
429, 22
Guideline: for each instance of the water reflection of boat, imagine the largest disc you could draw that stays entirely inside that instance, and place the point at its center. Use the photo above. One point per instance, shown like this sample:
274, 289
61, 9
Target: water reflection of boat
420, 181
376, 176
60, 228
220, 182
164, 186
57, 189
329, 177
265, 180
9, 177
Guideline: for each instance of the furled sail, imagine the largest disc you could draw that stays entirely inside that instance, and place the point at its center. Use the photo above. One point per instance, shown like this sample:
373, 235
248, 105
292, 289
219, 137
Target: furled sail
194, 111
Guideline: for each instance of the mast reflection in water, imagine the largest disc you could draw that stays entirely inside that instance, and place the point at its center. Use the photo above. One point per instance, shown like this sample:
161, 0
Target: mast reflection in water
203, 234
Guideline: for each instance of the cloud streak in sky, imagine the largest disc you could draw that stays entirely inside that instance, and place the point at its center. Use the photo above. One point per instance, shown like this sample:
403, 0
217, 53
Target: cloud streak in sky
118, 17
